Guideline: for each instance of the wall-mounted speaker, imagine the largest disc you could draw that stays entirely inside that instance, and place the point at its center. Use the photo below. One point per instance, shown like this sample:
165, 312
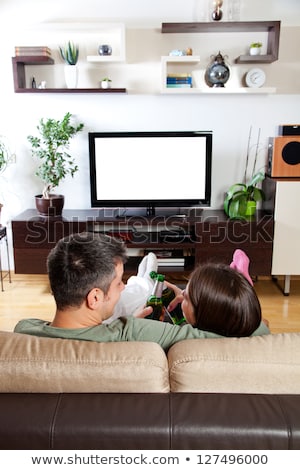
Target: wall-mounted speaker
289, 129
284, 157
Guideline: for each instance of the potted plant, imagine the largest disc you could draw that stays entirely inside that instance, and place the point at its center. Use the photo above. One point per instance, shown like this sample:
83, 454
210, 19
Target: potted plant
241, 198
105, 82
255, 48
50, 148
69, 55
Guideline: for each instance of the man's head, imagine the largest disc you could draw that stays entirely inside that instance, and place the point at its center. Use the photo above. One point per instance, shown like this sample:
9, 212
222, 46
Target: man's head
82, 262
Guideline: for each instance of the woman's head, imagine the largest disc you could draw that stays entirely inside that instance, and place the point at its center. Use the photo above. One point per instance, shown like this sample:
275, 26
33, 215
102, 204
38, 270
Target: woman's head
221, 300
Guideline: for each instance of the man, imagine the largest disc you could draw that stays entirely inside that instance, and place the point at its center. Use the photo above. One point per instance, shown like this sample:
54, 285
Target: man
85, 272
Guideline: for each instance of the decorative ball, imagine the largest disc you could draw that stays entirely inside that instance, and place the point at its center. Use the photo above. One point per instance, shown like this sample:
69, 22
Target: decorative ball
104, 49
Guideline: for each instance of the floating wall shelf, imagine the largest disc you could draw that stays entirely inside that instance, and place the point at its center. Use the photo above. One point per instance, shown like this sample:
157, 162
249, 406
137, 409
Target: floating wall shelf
272, 27
20, 79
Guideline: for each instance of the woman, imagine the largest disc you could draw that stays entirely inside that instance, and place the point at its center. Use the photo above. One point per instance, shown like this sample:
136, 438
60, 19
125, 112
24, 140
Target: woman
219, 299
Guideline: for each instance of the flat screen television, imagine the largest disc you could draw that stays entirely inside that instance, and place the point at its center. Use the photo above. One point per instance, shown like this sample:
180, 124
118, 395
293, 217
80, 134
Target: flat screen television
151, 170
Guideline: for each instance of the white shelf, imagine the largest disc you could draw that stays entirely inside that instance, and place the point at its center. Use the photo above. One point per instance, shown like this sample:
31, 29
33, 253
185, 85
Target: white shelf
217, 91
108, 58
180, 63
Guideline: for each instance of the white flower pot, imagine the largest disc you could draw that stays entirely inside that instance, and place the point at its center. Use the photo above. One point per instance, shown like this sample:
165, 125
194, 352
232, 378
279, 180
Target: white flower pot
71, 76
255, 50
105, 84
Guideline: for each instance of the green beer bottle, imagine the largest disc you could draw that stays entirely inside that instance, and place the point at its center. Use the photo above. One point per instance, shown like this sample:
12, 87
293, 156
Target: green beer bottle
176, 316
155, 299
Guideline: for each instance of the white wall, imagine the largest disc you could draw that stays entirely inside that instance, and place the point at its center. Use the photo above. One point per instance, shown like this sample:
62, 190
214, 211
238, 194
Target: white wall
143, 108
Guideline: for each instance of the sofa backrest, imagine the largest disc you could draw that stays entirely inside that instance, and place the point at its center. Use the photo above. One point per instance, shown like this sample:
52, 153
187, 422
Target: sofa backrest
47, 365
260, 364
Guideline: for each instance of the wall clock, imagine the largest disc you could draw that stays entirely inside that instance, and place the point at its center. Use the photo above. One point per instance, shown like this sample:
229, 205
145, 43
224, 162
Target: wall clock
255, 78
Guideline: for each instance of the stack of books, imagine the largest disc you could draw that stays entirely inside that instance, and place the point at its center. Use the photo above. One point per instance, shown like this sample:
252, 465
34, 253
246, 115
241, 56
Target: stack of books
179, 80
32, 51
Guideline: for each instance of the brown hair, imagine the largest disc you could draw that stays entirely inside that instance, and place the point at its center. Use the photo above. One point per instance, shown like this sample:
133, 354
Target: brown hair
223, 300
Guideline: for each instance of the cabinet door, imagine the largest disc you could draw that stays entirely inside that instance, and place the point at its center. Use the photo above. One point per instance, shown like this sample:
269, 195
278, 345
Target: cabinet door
286, 246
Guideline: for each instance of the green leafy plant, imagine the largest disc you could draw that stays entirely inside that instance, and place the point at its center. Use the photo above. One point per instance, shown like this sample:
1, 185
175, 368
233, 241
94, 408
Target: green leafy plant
5, 155
51, 149
239, 194
69, 53
256, 44
105, 79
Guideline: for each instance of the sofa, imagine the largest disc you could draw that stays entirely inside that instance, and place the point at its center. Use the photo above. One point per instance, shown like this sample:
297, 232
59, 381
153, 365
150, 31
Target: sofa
231, 393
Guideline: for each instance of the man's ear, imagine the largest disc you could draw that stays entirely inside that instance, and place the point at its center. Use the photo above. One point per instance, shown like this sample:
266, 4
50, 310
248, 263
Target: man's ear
94, 297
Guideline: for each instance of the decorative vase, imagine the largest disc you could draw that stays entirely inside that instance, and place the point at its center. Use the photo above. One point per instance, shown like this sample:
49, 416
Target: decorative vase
71, 76
217, 13
251, 208
51, 207
217, 73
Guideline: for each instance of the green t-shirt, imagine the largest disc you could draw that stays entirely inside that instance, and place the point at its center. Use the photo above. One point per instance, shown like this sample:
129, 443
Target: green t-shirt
123, 329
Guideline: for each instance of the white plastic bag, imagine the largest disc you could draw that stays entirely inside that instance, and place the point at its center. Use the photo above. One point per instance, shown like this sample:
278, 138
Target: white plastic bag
137, 290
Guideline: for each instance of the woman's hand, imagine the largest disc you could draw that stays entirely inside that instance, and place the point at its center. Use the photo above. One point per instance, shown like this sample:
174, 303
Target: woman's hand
178, 296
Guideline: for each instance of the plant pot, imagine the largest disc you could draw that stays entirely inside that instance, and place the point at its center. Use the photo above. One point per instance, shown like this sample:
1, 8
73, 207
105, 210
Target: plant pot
105, 84
251, 208
255, 50
51, 207
71, 76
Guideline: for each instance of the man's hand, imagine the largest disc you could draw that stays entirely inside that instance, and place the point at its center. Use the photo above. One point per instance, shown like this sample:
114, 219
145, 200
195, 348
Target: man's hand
144, 312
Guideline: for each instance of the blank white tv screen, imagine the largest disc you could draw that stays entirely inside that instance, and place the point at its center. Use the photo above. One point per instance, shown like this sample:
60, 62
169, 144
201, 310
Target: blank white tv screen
156, 168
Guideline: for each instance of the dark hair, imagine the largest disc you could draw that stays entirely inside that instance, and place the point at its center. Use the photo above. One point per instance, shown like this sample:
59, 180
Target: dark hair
223, 300
80, 262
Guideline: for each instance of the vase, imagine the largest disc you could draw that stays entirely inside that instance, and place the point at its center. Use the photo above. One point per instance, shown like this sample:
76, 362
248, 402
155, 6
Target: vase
71, 76
217, 73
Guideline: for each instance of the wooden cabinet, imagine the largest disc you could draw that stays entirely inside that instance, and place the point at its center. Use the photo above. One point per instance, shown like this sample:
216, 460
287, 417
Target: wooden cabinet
207, 237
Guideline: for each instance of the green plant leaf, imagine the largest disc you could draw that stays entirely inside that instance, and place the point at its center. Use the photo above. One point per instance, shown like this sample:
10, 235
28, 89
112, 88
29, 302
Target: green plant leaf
51, 151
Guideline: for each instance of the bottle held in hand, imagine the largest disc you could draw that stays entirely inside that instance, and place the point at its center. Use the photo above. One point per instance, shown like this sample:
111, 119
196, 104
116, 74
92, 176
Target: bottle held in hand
155, 299
175, 316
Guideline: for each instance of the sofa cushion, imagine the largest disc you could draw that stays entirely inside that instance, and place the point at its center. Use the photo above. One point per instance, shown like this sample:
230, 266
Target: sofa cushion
47, 365
260, 364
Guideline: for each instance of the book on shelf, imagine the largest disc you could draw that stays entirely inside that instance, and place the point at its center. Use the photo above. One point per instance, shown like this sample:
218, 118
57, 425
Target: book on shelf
32, 51
179, 85
179, 79
179, 75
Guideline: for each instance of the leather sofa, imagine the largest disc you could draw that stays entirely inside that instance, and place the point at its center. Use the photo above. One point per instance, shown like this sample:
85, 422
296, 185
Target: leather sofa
231, 393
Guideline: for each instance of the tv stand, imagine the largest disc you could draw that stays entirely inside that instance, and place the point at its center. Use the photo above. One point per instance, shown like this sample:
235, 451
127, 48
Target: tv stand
192, 239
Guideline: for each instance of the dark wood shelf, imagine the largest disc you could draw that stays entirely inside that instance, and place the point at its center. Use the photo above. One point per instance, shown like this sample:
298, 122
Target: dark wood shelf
19, 63
71, 90
272, 27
